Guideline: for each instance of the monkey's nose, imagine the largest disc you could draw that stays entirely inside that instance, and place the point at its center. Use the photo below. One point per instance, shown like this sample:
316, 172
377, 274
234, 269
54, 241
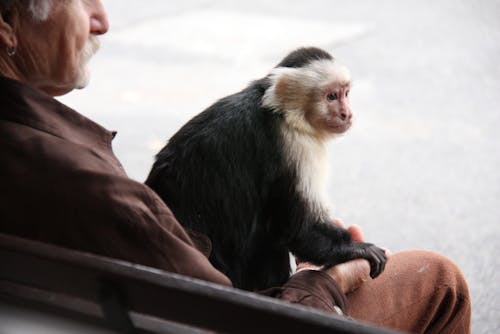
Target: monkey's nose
345, 116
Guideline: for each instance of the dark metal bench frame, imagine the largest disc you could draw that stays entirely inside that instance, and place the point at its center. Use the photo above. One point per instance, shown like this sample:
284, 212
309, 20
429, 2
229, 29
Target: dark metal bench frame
131, 298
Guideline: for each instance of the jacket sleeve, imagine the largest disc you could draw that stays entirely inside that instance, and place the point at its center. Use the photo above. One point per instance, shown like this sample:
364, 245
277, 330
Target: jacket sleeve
168, 246
312, 288
115, 216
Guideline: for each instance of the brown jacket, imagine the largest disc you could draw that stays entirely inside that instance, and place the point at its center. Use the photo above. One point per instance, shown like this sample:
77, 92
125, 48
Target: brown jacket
61, 183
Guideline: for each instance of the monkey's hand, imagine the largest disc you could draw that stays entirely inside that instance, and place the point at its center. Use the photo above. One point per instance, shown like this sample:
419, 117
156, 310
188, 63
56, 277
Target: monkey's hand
376, 256
353, 247
351, 274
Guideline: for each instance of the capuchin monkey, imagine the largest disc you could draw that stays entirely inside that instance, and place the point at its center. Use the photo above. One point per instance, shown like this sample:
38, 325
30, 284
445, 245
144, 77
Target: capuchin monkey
249, 173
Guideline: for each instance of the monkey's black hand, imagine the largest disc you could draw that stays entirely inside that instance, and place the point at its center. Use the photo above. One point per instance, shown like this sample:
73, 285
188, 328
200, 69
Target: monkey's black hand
375, 255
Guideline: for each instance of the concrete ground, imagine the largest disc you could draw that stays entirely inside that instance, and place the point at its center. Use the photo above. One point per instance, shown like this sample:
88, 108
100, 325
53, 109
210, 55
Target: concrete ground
420, 167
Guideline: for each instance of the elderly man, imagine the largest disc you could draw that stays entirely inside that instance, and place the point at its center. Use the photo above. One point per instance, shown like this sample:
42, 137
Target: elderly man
62, 184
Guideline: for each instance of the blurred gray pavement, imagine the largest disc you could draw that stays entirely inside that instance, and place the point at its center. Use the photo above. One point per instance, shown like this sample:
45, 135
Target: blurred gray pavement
420, 167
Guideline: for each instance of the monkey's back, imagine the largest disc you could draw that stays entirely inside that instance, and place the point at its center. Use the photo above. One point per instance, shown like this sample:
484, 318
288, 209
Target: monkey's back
212, 176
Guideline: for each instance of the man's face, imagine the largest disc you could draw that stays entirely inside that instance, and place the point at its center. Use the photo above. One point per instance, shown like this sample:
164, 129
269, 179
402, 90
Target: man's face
53, 54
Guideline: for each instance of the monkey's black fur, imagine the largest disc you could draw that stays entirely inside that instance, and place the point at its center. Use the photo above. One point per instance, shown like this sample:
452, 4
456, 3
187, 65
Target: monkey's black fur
224, 174
304, 56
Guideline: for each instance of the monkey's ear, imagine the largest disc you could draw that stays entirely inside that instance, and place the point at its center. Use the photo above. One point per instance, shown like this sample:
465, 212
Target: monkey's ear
283, 89
282, 86
280, 94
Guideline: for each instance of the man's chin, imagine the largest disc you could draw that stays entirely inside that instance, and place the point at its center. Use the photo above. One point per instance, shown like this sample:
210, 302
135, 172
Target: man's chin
81, 85
65, 89
83, 79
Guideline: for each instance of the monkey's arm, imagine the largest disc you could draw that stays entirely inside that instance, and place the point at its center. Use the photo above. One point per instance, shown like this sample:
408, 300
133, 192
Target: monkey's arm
313, 235
325, 243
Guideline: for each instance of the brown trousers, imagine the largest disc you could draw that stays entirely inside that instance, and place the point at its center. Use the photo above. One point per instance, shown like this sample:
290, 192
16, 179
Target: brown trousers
419, 292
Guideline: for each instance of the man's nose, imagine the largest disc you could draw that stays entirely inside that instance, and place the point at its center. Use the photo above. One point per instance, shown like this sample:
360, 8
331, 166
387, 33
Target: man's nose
99, 23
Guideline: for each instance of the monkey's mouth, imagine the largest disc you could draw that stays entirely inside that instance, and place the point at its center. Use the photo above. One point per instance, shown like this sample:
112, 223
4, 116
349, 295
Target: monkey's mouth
341, 126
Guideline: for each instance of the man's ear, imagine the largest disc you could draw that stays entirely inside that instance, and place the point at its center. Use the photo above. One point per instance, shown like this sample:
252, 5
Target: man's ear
8, 22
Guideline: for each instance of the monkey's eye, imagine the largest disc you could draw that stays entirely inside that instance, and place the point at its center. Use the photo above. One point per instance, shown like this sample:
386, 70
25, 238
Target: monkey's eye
332, 96
346, 93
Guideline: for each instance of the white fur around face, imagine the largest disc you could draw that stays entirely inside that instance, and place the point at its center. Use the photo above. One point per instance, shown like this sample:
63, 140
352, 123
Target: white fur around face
296, 84
307, 156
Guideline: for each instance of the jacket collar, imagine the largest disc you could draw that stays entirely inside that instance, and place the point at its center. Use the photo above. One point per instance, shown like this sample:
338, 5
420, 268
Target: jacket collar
23, 104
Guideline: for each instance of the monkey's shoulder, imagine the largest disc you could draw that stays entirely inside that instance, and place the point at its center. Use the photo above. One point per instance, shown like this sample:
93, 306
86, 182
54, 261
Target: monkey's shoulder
241, 108
235, 119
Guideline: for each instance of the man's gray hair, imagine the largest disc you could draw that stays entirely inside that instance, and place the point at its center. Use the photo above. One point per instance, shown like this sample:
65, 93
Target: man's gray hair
39, 9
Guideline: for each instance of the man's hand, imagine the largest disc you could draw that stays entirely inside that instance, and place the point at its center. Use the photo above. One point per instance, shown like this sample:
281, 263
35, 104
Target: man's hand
349, 275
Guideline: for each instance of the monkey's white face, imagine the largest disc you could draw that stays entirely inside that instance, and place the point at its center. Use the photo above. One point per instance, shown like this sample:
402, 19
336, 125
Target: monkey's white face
338, 117
314, 99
